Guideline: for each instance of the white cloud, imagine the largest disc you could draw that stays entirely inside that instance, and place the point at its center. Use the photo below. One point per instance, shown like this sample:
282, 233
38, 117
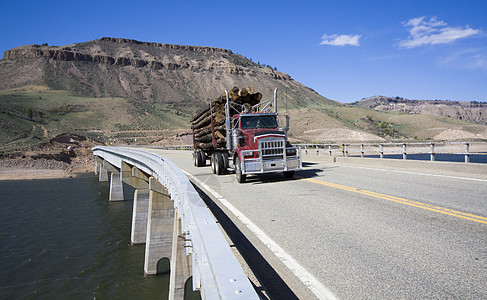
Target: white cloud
340, 40
470, 59
433, 32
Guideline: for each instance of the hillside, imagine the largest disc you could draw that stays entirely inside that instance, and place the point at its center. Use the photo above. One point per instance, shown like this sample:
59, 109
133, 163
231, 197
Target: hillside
123, 91
180, 77
474, 112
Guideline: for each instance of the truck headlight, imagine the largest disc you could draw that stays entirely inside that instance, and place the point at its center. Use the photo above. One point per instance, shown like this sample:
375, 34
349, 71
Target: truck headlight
290, 151
248, 154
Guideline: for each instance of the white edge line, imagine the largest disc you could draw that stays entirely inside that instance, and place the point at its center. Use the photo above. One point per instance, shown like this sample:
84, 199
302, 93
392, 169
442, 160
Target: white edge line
315, 286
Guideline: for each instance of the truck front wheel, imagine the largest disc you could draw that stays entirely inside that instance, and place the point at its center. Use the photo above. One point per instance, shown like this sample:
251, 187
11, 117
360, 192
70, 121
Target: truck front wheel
238, 171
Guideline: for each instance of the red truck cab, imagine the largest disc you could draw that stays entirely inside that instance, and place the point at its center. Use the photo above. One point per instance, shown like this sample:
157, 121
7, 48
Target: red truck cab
260, 147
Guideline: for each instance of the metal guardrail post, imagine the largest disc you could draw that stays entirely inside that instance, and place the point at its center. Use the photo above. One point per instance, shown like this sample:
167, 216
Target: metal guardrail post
329, 149
404, 156
432, 153
317, 150
381, 151
361, 150
467, 154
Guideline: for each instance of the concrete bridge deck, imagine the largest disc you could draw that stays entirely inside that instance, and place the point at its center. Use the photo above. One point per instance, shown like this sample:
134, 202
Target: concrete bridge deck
362, 228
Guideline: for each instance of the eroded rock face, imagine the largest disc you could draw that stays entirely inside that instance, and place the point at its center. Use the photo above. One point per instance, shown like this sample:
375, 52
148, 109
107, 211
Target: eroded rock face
153, 60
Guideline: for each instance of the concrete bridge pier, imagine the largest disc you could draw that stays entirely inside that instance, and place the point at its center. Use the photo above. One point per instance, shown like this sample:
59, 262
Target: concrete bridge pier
116, 186
100, 170
140, 182
160, 227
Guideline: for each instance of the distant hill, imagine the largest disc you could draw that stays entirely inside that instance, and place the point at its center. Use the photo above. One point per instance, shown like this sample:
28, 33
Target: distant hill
474, 112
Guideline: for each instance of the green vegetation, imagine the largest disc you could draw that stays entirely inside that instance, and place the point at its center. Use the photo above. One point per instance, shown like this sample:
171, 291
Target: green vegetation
31, 117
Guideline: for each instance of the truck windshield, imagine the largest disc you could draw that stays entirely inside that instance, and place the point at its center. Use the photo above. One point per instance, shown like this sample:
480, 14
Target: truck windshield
252, 122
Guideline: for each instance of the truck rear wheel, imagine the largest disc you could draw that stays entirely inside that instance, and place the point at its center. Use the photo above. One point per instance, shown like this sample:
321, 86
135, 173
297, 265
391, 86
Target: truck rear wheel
226, 163
199, 158
238, 171
219, 164
213, 163
202, 158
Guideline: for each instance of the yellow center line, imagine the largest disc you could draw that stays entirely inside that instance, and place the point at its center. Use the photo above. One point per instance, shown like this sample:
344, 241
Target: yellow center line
426, 206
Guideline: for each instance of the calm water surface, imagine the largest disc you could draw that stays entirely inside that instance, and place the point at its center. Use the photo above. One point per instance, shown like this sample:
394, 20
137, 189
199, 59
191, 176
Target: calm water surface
63, 239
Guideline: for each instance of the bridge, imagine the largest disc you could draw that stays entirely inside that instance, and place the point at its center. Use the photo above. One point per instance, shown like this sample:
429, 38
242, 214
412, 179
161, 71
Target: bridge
349, 227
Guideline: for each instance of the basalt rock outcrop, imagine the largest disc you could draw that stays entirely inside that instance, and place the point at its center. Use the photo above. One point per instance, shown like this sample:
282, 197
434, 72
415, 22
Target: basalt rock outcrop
74, 54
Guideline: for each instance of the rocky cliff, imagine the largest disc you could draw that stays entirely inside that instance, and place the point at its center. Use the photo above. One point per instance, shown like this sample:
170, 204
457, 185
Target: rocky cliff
473, 112
153, 72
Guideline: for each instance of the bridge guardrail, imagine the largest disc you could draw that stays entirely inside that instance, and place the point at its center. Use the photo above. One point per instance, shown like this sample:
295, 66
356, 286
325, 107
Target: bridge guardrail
216, 271
405, 148
381, 149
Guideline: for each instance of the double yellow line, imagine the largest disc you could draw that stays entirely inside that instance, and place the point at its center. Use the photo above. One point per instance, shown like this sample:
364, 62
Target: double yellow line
439, 209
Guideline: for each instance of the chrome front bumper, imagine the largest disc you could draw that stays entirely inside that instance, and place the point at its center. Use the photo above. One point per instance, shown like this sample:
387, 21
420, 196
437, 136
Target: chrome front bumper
259, 165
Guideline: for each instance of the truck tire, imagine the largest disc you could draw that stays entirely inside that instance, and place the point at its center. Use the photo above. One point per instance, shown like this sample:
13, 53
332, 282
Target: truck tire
238, 171
289, 174
226, 163
195, 158
202, 158
213, 163
219, 164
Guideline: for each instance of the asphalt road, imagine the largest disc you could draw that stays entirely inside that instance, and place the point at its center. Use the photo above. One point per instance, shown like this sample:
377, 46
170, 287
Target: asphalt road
361, 233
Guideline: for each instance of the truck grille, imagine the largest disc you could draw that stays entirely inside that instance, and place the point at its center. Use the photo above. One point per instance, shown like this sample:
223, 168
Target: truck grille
272, 149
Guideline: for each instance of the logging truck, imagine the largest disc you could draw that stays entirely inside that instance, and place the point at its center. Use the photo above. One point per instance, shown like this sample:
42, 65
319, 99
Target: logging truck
245, 131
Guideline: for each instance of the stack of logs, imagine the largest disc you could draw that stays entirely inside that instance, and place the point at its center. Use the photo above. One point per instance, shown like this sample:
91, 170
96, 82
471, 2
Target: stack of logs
201, 121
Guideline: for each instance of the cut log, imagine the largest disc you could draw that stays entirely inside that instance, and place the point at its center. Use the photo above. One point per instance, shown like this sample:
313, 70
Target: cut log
205, 114
199, 112
218, 119
201, 120
205, 130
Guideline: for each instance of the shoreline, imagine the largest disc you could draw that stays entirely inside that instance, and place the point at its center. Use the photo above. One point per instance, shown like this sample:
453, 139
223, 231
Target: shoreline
32, 169
15, 174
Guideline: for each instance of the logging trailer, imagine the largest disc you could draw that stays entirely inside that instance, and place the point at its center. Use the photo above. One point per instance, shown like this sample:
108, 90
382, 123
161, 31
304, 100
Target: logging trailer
254, 142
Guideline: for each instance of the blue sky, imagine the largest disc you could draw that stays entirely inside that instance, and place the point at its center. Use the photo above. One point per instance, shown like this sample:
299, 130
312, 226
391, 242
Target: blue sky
344, 50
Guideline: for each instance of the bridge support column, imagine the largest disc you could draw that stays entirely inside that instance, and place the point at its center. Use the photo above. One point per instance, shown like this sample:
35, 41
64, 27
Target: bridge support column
116, 187
181, 267
139, 216
98, 162
140, 182
160, 220
102, 172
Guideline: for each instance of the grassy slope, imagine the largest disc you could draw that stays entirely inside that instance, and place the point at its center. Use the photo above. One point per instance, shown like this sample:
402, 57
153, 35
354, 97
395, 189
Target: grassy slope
34, 115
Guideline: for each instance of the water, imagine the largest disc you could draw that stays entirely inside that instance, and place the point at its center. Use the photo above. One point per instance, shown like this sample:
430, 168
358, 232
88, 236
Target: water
438, 157
62, 239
